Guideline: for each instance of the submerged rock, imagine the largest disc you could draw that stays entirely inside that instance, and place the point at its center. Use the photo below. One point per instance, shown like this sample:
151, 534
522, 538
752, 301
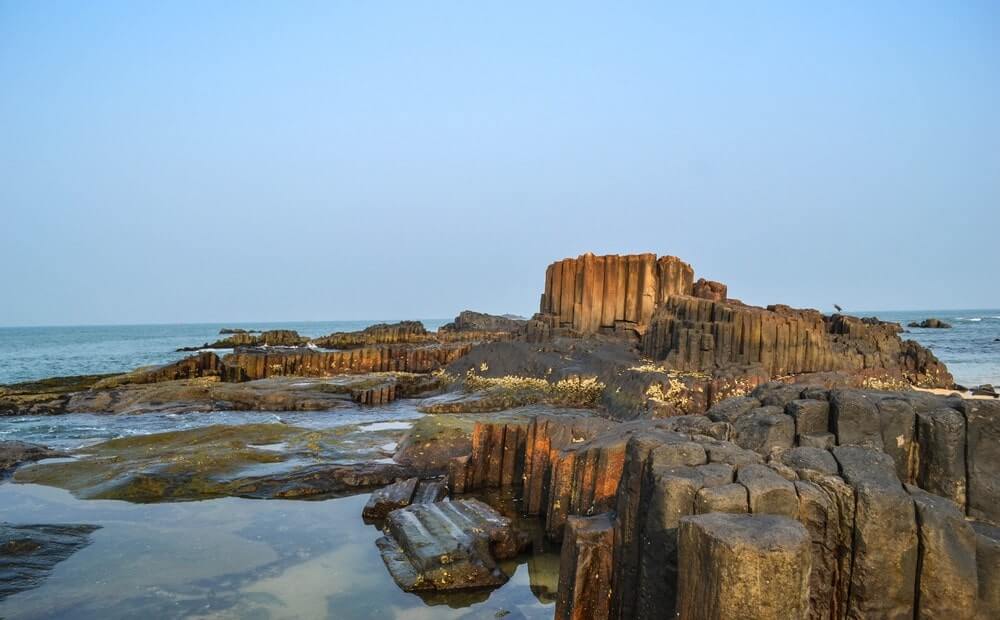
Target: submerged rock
448, 545
250, 460
28, 553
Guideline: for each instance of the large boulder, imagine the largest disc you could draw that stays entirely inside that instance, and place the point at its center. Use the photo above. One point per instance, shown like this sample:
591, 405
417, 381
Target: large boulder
742, 566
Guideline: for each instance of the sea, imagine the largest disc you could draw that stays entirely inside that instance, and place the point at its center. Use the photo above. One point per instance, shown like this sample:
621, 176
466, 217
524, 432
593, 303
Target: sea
970, 348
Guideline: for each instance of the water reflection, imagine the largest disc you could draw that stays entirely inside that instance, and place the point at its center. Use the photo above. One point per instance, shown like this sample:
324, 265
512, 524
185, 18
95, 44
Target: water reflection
238, 558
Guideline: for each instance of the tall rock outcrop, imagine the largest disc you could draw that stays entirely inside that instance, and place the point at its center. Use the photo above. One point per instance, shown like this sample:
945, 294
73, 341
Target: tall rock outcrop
693, 326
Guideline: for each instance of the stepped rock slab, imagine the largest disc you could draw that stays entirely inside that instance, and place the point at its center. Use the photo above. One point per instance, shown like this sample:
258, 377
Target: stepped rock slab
448, 545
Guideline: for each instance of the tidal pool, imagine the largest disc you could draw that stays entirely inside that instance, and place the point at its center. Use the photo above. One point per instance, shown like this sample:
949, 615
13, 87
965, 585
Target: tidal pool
242, 558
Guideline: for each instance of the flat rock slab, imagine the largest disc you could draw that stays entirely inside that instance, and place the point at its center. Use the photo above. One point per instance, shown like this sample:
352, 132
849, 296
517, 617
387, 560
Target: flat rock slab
448, 545
28, 553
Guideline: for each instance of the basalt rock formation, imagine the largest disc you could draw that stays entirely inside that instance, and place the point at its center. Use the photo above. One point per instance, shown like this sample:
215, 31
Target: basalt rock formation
404, 332
448, 545
246, 365
692, 326
896, 518
470, 321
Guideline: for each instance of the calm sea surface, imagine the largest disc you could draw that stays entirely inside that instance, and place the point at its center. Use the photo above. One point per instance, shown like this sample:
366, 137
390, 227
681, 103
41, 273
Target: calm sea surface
970, 348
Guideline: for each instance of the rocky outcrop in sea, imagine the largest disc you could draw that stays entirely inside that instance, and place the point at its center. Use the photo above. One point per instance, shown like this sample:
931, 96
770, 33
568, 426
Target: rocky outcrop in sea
693, 455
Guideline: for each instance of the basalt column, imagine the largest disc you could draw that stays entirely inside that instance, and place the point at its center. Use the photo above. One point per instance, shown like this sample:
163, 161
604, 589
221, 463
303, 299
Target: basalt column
592, 294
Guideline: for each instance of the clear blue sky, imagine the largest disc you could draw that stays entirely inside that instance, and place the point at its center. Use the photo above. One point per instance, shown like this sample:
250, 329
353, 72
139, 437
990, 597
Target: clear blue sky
230, 161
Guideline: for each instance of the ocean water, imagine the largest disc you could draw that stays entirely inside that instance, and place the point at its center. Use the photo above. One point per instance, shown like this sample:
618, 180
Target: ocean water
969, 349
31, 353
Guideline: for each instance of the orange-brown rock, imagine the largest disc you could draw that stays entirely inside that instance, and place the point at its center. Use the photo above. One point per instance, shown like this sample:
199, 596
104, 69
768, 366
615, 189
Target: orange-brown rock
591, 294
709, 289
250, 364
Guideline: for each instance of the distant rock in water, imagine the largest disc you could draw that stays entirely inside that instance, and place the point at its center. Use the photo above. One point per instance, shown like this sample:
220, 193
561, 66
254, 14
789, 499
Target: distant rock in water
468, 320
28, 553
243, 338
404, 332
985, 389
931, 323
237, 330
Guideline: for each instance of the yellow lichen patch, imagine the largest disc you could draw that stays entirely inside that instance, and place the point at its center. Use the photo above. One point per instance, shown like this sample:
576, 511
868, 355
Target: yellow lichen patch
571, 391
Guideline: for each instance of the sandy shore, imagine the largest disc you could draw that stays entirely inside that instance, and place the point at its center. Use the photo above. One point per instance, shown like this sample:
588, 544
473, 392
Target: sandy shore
944, 392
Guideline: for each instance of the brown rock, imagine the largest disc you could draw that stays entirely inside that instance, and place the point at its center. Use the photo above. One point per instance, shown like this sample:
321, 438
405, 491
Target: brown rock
743, 566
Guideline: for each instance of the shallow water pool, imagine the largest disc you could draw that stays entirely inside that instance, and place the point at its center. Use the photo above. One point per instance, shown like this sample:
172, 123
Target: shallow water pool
241, 558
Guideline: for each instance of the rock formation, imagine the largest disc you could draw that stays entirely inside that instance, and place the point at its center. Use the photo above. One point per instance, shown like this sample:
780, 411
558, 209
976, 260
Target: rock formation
13, 453
404, 332
692, 326
448, 545
931, 323
853, 535
470, 321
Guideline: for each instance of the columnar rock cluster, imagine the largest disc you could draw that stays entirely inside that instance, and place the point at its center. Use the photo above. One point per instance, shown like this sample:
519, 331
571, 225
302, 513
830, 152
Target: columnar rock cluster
853, 503
693, 326
250, 365
592, 294
408, 332
688, 333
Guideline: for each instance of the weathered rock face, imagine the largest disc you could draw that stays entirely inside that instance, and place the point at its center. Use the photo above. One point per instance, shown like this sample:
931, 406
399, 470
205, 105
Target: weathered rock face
206, 364
469, 321
866, 546
586, 569
709, 289
591, 294
743, 566
404, 332
448, 545
689, 333
245, 365
28, 553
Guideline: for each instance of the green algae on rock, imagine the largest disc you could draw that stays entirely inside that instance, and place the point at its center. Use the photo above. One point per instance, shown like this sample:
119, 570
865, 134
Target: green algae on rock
255, 460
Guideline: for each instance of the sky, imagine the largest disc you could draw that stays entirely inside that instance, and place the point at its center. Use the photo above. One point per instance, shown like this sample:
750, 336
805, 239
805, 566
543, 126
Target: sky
221, 161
